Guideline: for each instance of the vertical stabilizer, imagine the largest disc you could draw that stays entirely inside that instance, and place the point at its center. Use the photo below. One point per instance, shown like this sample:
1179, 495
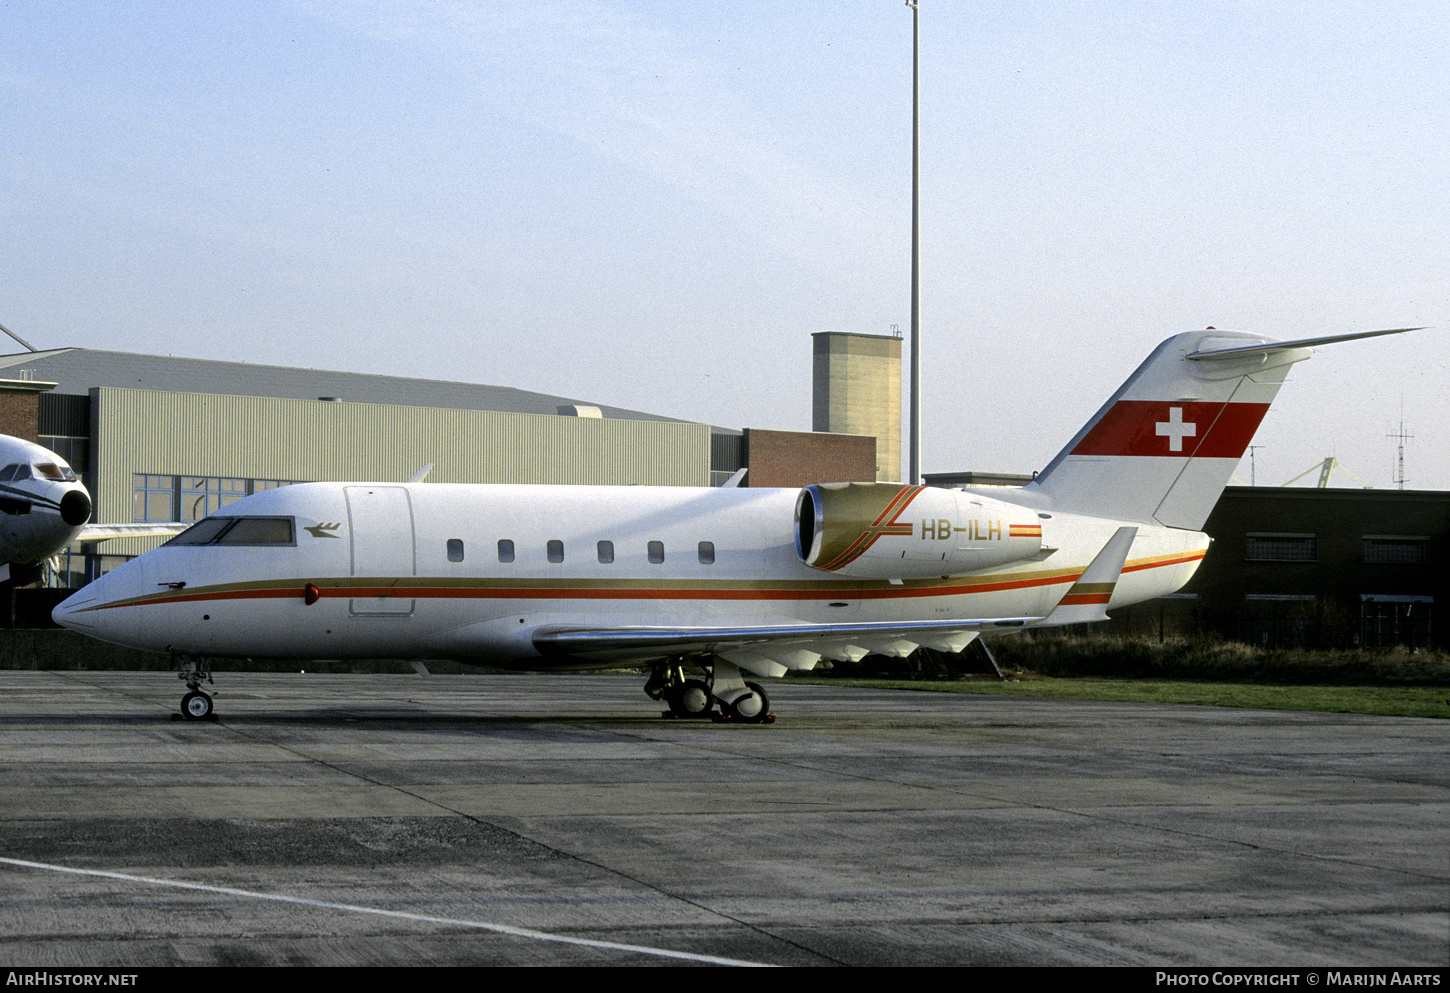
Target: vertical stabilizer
1164, 447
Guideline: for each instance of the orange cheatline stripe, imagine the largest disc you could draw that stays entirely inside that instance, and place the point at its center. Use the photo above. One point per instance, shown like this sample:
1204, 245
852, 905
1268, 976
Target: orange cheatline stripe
1158, 561
1076, 599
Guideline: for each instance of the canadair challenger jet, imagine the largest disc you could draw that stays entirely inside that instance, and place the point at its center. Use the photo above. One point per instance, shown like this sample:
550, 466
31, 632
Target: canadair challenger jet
727, 581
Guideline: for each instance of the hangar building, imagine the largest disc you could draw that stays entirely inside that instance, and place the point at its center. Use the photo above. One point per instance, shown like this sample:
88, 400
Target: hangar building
173, 439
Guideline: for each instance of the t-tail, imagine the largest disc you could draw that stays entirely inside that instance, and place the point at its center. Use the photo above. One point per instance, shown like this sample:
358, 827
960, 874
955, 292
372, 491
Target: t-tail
1164, 447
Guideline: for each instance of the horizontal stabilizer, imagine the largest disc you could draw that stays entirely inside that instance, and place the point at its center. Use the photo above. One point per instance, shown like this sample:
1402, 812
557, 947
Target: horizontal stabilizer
1280, 346
1087, 599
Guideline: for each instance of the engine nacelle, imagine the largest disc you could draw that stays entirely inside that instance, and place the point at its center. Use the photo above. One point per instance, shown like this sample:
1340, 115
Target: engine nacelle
895, 531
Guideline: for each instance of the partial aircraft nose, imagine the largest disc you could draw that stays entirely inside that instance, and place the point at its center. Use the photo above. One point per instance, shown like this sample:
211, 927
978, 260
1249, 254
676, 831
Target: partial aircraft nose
95, 609
68, 612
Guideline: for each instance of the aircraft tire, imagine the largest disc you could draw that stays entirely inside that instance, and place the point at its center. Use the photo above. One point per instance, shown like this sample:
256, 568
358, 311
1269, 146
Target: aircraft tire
196, 706
692, 699
753, 707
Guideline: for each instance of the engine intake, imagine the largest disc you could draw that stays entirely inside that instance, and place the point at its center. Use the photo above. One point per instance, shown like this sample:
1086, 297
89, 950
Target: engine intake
894, 531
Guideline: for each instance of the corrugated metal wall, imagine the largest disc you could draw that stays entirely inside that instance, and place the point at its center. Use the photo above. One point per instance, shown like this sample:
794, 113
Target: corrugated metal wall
192, 434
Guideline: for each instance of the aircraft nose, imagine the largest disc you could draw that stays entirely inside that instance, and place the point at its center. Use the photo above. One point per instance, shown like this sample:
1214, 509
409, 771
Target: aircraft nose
75, 507
69, 611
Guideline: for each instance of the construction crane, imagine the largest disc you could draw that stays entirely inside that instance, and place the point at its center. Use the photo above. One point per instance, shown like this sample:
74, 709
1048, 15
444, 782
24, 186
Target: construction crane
1325, 468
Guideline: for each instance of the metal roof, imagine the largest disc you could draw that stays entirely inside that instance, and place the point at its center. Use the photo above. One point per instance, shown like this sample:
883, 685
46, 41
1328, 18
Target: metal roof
76, 370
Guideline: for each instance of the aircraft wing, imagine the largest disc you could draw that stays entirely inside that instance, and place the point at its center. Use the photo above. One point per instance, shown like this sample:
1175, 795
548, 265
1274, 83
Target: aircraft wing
769, 650
104, 532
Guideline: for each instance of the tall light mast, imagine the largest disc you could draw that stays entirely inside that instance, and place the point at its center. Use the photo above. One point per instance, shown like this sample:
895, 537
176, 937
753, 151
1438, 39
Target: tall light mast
914, 434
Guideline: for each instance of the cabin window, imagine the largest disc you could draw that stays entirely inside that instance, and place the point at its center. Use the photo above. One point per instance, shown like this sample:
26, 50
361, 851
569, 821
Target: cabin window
455, 549
707, 553
556, 550
606, 552
505, 550
657, 552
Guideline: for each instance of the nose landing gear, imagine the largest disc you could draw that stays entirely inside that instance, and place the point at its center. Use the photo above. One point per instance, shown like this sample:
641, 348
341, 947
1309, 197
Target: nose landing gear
196, 705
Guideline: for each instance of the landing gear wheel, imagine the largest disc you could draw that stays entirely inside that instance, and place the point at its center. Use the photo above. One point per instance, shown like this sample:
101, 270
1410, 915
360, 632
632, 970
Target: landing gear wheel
691, 699
753, 707
196, 706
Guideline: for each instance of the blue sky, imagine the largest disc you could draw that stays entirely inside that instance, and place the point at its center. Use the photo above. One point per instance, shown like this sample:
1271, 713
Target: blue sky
654, 205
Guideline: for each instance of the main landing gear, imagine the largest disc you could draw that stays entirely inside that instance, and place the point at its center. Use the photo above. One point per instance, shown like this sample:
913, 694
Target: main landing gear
196, 705
691, 697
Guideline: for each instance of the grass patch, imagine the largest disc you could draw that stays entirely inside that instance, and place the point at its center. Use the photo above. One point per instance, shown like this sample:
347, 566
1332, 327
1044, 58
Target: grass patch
1394, 682
1388, 701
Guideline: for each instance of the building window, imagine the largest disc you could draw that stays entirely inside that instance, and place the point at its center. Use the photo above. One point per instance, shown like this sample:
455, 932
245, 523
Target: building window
556, 550
1277, 620
1280, 547
606, 552
153, 498
455, 549
76, 451
189, 498
1394, 549
203, 495
707, 553
505, 550
1387, 621
657, 552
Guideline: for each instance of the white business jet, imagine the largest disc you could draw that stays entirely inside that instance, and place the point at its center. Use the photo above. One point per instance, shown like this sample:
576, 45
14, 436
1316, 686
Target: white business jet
727, 581
43, 508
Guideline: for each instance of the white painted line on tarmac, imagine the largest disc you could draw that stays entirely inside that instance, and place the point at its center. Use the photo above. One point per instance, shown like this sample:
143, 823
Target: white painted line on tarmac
517, 932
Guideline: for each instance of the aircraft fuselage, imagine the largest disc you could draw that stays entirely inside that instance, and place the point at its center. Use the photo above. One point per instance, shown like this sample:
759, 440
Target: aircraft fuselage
470, 572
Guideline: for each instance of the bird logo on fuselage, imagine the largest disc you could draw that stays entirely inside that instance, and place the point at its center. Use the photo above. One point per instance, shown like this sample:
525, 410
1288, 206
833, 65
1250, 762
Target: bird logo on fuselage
323, 530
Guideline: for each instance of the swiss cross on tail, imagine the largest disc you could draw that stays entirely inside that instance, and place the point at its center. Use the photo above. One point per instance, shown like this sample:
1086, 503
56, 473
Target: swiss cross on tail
1186, 429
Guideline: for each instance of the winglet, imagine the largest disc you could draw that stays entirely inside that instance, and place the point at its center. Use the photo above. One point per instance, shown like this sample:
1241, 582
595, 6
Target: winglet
1087, 599
421, 474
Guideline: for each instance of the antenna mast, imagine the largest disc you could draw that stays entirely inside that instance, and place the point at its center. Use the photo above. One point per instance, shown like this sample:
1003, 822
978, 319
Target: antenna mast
1403, 437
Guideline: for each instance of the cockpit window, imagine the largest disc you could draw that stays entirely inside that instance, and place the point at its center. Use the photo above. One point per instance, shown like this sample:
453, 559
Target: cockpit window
21, 472
238, 531
203, 531
258, 531
51, 470
8, 473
